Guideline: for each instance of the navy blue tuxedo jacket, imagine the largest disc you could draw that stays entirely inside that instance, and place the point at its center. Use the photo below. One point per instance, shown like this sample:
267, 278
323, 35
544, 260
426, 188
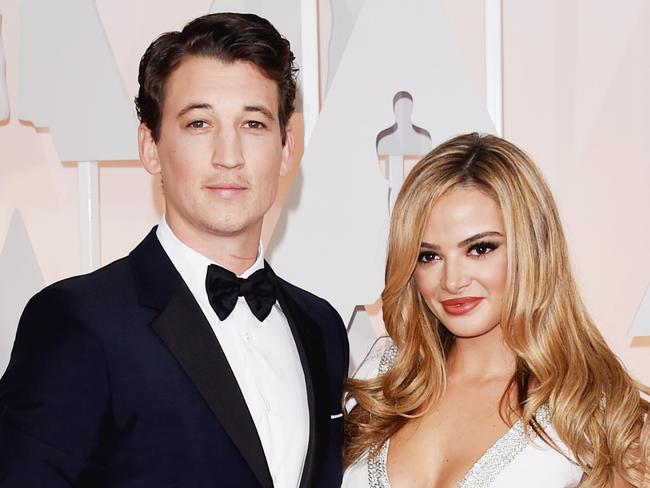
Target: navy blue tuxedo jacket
117, 380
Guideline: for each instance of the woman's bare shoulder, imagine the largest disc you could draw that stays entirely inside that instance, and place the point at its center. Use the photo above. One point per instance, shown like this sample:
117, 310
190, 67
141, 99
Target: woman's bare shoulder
375, 360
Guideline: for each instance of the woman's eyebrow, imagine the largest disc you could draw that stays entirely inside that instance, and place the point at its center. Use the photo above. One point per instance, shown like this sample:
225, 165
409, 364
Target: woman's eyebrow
478, 236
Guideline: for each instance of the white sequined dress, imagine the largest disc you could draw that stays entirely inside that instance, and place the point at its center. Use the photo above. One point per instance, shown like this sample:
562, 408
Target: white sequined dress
511, 462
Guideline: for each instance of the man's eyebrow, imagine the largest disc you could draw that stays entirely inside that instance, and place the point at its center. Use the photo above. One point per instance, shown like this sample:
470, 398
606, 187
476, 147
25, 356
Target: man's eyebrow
194, 106
261, 109
480, 235
463, 243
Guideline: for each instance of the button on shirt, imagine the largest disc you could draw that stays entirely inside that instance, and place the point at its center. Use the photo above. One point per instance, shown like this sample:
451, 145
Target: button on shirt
264, 360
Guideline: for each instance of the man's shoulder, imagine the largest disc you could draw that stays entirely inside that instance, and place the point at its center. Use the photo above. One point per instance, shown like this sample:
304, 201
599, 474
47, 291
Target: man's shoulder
98, 285
111, 280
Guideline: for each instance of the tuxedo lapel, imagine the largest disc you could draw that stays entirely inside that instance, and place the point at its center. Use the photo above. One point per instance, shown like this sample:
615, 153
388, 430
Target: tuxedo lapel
187, 333
309, 342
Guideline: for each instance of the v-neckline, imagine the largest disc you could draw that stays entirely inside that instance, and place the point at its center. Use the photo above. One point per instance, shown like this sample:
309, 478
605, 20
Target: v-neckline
504, 450
485, 469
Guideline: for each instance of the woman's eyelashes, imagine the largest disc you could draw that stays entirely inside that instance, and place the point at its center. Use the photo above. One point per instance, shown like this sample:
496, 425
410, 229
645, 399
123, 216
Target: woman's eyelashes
477, 250
427, 257
481, 249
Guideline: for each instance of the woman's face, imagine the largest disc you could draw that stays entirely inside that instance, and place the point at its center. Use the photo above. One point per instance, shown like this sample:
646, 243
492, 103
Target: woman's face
462, 264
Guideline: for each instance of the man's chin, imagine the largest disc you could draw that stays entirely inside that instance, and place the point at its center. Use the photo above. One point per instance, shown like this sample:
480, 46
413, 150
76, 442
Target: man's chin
229, 228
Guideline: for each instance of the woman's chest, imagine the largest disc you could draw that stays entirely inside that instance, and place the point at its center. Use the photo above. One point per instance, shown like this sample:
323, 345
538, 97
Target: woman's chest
440, 448
513, 460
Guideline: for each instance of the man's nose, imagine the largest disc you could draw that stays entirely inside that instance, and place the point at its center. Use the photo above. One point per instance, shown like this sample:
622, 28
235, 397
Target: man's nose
227, 150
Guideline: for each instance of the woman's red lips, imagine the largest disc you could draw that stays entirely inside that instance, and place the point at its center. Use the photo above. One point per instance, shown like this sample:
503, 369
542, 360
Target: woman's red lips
460, 306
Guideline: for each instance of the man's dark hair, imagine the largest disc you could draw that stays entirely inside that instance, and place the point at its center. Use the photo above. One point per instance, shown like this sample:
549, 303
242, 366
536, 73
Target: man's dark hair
227, 37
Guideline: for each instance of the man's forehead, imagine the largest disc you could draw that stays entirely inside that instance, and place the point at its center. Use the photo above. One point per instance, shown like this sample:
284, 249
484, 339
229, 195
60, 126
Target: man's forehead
211, 81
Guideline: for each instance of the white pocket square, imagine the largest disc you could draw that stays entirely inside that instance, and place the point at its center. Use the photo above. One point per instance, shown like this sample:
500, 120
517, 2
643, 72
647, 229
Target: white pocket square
336, 416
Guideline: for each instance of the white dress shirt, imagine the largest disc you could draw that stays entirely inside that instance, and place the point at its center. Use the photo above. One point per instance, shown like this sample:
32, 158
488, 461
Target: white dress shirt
264, 359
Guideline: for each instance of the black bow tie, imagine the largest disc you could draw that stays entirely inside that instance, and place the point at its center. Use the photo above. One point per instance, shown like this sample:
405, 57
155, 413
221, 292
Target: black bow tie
224, 287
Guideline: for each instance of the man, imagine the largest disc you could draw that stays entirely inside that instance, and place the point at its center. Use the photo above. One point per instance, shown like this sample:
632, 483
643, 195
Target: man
164, 369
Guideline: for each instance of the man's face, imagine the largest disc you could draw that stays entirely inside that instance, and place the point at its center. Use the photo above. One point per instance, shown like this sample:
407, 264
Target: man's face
220, 150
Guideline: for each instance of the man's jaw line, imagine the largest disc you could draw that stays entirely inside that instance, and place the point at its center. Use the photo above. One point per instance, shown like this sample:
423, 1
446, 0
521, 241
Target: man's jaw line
238, 247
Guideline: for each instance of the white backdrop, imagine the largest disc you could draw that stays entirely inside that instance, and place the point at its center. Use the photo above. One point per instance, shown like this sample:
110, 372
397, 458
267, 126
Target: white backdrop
70, 81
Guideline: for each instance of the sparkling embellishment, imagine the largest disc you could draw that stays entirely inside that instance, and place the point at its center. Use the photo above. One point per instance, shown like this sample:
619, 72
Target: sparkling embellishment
387, 359
502, 452
483, 473
377, 473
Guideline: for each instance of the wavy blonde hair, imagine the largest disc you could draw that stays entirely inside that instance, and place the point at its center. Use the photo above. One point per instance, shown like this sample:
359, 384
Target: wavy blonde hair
562, 359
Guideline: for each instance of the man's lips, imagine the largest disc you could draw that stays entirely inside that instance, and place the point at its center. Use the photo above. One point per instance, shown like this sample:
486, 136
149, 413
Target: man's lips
460, 306
226, 189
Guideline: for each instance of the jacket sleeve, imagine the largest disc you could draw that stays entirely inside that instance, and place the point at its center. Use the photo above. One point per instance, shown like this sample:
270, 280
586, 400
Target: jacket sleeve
54, 397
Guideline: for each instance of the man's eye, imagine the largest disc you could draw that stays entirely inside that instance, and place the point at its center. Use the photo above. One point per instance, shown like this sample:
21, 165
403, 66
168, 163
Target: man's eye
254, 124
198, 124
427, 257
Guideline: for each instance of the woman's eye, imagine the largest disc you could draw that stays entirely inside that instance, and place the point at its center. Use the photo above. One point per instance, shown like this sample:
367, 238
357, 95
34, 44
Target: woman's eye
482, 248
427, 257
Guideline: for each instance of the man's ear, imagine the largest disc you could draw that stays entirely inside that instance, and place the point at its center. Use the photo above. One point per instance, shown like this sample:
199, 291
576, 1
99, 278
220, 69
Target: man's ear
148, 150
287, 151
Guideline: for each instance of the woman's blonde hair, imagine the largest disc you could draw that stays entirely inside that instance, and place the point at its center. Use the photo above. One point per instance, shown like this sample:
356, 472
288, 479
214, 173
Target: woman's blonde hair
562, 359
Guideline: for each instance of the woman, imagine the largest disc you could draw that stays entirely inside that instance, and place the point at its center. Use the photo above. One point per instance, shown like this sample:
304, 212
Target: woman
494, 375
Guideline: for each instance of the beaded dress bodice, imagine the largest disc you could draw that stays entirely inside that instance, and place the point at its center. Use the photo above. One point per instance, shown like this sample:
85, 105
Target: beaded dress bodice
485, 470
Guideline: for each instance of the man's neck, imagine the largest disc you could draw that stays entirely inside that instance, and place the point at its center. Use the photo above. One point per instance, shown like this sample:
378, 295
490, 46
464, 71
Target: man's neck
235, 252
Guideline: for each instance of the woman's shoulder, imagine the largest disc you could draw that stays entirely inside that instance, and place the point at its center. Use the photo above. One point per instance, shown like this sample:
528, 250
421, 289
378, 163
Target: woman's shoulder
378, 360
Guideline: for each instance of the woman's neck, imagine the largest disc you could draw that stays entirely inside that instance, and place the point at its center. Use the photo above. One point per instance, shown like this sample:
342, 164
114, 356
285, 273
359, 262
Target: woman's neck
481, 358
